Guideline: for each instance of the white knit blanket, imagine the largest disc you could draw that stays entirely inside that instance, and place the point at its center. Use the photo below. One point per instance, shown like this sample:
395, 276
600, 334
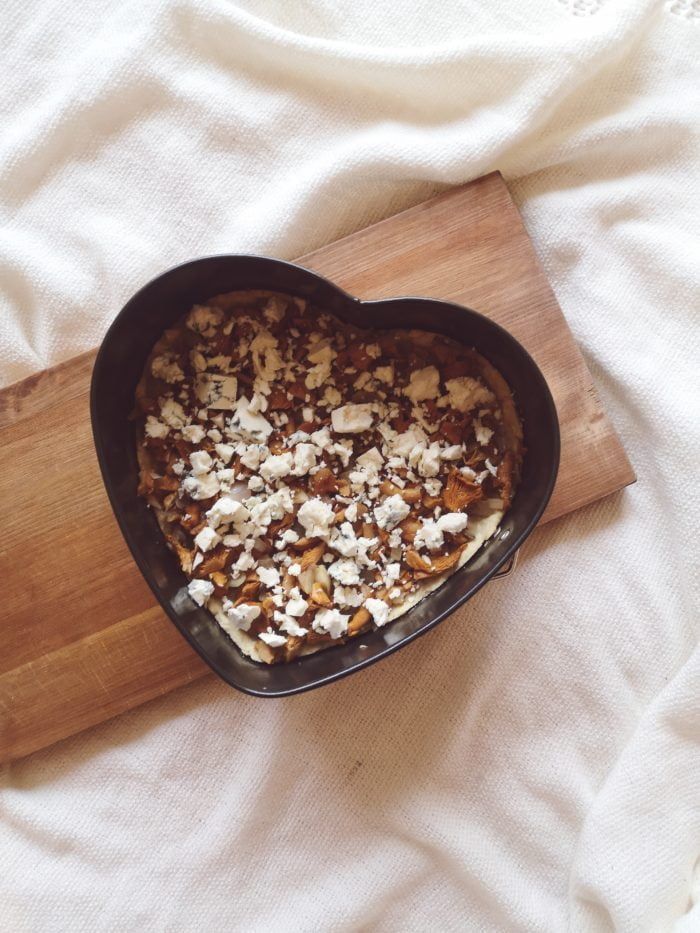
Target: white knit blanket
534, 763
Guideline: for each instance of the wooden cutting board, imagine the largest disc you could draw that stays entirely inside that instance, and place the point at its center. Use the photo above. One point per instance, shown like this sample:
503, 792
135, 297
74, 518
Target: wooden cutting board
82, 636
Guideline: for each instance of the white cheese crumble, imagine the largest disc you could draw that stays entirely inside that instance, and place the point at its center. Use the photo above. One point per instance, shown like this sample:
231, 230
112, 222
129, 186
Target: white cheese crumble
289, 624
319, 373
352, 419
268, 576
273, 639
402, 445
347, 596
240, 616
172, 413
200, 591
156, 428
297, 607
207, 539
330, 621
201, 462
371, 460
193, 433
223, 451
304, 458
202, 486
345, 571
385, 374
424, 384
481, 432
453, 522
227, 510
429, 462
316, 517
167, 368
379, 610
465, 393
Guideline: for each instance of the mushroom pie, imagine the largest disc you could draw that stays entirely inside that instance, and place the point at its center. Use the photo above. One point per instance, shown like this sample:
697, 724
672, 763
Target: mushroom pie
315, 479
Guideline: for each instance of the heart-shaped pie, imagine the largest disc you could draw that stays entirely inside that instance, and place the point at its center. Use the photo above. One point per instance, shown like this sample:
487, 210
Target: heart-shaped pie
317, 479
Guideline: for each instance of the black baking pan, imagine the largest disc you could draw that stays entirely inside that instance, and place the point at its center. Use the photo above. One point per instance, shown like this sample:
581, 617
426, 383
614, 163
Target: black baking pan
118, 368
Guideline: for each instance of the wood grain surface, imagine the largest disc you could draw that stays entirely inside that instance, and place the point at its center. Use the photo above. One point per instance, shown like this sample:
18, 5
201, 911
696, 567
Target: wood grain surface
83, 639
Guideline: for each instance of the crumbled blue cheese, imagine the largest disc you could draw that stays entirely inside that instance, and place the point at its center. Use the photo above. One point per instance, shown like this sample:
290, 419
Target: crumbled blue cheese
277, 467
251, 456
428, 536
433, 487
391, 511
274, 310
402, 445
297, 606
202, 486
204, 320
216, 391
248, 424
332, 396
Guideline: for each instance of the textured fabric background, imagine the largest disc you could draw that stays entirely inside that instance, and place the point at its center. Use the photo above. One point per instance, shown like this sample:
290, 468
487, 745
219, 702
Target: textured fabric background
533, 764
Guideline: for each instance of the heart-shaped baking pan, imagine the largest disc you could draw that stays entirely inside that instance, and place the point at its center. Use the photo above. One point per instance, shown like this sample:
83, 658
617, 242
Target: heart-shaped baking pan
118, 368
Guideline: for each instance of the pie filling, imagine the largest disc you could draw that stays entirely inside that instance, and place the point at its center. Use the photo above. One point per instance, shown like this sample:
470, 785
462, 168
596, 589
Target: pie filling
314, 479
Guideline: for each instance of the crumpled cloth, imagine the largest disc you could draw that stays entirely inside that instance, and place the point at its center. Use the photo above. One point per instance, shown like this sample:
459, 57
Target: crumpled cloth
534, 763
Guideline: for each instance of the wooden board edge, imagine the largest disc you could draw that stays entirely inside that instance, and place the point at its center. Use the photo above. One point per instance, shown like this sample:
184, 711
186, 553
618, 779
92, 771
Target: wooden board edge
22, 399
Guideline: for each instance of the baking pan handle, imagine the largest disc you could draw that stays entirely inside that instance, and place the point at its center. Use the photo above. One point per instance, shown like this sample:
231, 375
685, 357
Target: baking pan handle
508, 569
